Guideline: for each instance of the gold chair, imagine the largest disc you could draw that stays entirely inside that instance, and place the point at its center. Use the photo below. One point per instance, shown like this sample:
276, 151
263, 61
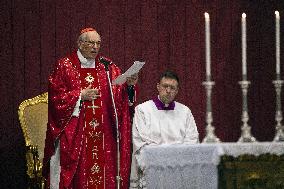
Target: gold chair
33, 114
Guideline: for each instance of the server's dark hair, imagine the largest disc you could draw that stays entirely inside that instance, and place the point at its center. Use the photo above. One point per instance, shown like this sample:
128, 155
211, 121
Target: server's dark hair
169, 74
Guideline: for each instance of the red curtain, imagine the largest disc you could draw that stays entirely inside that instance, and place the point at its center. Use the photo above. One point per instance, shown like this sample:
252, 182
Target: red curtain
167, 34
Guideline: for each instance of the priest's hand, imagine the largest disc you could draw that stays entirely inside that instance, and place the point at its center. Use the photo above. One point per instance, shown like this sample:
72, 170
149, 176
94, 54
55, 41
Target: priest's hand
90, 93
132, 80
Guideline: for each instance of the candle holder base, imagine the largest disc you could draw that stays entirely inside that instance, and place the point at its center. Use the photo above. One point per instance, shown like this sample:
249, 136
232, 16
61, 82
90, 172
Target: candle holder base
279, 137
244, 140
246, 134
210, 136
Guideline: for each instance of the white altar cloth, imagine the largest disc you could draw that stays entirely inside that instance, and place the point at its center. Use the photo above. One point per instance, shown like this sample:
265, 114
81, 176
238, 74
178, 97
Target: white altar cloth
194, 166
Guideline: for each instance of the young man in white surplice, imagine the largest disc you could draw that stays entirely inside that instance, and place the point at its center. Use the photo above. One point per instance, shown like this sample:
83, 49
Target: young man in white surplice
160, 121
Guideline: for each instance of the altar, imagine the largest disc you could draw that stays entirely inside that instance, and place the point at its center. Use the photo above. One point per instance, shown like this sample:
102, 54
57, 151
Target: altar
212, 166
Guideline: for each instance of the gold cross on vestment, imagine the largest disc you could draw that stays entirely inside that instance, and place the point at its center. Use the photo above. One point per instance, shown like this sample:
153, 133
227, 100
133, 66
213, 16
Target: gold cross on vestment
94, 123
95, 169
93, 107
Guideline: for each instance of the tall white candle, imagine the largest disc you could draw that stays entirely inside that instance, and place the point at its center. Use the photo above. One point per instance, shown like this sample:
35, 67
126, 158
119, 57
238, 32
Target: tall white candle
277, 42
244, 47
207, 45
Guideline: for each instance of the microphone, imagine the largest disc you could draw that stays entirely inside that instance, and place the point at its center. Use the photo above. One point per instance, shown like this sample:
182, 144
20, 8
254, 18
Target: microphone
106, 62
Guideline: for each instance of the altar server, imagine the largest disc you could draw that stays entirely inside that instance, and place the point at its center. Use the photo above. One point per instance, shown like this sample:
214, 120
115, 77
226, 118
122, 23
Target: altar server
158, 121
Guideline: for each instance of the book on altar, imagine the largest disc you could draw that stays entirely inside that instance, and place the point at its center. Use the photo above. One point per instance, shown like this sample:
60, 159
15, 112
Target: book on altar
134, 69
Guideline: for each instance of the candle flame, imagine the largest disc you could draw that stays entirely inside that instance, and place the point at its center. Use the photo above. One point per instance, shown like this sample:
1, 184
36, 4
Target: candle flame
244, 15
277, 14
206, 15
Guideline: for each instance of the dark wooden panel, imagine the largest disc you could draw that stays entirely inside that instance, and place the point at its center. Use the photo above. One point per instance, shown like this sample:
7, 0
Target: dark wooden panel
247, 171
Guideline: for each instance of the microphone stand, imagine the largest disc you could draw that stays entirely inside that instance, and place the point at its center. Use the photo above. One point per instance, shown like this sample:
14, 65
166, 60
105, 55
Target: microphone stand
118, 178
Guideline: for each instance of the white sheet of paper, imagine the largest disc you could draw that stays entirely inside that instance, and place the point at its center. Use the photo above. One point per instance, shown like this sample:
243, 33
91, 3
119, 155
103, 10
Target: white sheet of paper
136, 66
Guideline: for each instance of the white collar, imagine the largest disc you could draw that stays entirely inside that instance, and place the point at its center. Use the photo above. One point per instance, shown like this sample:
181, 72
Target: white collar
86, 63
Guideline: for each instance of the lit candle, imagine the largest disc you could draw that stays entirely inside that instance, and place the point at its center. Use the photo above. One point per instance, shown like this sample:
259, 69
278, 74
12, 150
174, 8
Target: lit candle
207, 46
277, 43
244, 48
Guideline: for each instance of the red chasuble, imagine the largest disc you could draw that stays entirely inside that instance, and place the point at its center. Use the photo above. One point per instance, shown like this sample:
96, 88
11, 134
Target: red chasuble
88, 149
